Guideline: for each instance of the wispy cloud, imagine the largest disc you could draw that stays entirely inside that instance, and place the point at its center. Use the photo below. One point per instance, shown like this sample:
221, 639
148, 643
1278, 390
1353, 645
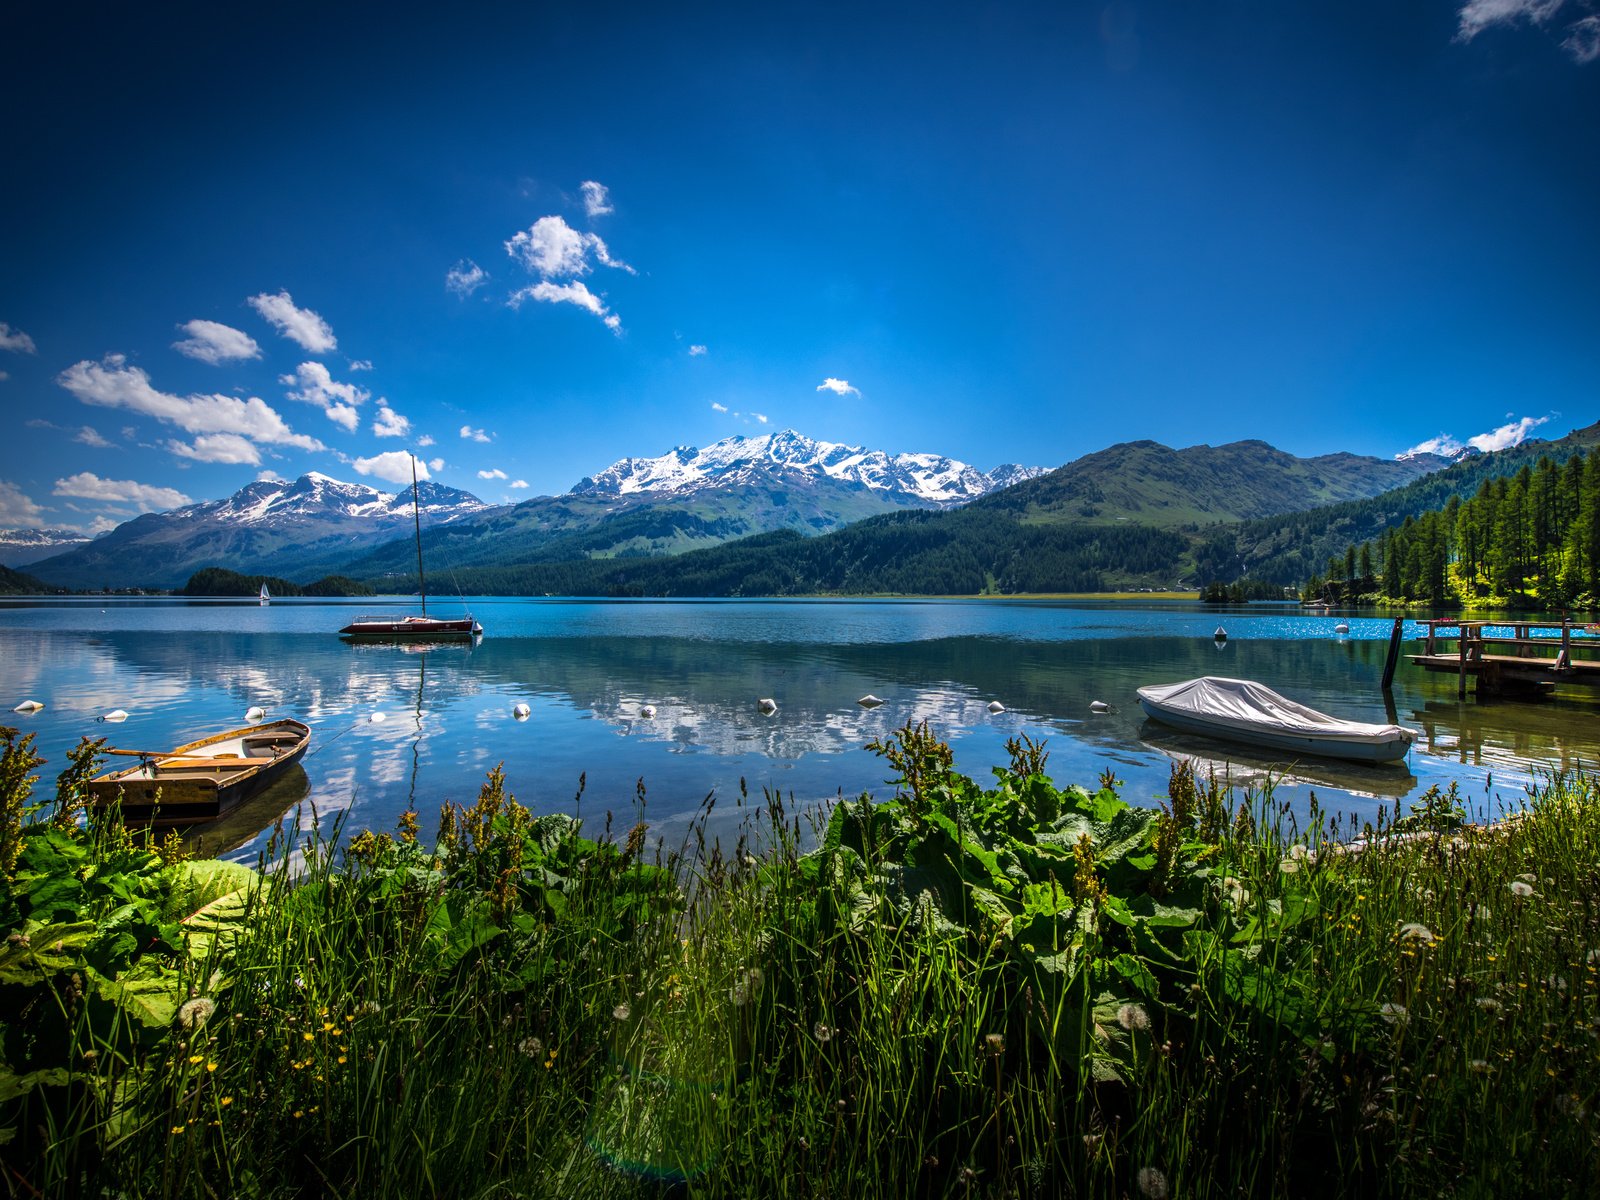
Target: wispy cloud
15, 340
475, 435
465, 278
596, 198
16, 508
90, 436
493, 473
519, 484
4, 376
839, 387
390, 423
425, 440
269, 476
568, 293
111, 383
88, 486
300, 325
1582, 42
215, 343
361, 364
218, 448
436, 464
316, 386
761, 418
696, 351
393, 466
1512, 433
715, 407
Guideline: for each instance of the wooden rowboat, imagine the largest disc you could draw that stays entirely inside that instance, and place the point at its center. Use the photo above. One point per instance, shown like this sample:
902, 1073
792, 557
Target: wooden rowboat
201, 780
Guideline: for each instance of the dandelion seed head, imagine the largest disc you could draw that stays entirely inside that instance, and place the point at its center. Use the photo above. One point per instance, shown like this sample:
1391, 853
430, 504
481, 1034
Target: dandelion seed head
1395, 1014
622, 1012
1152, 1183
822, 1033
1411, 931
1521, 888
1133, 1017
195, 1013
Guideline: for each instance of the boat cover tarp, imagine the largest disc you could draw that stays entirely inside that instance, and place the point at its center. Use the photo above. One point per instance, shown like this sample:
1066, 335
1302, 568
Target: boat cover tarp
1246, 705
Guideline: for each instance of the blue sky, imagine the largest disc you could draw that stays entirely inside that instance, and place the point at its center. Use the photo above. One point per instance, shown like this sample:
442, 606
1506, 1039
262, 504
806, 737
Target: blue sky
526, 242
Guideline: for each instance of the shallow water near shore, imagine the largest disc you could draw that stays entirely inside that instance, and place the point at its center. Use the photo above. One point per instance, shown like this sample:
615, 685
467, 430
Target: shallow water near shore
586, 669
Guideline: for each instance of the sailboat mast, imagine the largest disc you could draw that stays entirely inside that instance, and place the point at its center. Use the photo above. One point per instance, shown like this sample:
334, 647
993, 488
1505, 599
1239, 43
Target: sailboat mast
416, 519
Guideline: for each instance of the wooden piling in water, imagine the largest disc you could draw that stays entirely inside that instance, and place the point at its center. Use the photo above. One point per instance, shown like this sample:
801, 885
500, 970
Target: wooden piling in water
1394, 653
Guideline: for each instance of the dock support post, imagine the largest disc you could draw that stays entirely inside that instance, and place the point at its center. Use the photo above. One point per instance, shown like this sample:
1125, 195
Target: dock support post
1394, 653
1461, 680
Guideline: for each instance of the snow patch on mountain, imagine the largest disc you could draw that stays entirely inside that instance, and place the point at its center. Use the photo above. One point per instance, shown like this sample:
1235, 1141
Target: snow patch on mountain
930, 479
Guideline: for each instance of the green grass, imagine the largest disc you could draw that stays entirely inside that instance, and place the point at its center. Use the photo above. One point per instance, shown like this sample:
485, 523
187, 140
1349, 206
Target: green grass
960, 991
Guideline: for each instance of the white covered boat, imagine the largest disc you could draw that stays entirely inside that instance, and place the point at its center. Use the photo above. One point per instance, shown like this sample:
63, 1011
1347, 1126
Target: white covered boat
1240, 710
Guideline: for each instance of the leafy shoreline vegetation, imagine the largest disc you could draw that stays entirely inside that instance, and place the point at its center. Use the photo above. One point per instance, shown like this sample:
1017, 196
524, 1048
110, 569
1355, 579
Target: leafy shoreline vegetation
218, 581
965, 991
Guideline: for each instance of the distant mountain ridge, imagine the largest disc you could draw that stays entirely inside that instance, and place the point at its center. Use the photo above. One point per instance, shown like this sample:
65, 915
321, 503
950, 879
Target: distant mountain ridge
270, 527
18, 547
921, 480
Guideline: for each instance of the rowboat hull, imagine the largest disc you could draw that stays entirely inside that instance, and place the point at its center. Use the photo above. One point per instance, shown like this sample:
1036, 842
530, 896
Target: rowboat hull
202, 780
1282, 725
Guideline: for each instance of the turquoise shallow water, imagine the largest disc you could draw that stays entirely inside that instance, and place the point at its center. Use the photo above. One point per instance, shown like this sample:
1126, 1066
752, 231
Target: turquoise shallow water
586, 668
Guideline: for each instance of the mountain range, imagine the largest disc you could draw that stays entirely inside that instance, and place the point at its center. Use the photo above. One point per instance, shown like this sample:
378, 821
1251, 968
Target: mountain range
19, 547
690, 498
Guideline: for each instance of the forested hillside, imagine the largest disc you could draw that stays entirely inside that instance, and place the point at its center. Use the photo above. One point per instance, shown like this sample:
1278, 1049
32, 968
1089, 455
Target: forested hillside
964, 552
1289, 549
1528, 541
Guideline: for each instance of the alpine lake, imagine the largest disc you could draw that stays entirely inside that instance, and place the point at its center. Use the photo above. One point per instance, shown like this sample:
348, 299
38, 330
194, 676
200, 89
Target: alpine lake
399, 726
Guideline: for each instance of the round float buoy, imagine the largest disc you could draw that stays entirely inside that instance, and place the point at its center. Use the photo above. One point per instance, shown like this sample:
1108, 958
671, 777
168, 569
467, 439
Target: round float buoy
115, 715
996, 707
255, 714
647, 711
1221, 635
869, 701
1100, 706
1341, 628
375, 719
767, 706
521, 711
28, 706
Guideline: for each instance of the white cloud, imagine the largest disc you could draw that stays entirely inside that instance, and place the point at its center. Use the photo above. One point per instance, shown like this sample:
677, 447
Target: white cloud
361, 364
569, 293
436, 464
465, 278
393, 466
15, 506
218, 448
715, 407
4, 376
596, 198
519, 483
101, 525
90, 436
111, 383
1513, 433
318, 387
215, 343
389, 422
297, 324
87, 486
269, 476
1583, 40
475, 435
696, 351
16, 340
493, 473
553, 249
761, 418
425, 440
839, 387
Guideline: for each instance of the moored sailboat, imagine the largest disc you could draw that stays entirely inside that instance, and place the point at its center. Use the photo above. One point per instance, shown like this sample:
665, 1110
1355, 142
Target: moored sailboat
414, 626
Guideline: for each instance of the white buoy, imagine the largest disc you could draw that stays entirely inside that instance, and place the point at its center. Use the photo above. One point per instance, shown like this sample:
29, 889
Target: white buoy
376, 718
28, 706
767, 706
255, 713
996, 707
1341, 628
869, 701
116, 714
1100, 706
647, 711
1221, 634
521, 711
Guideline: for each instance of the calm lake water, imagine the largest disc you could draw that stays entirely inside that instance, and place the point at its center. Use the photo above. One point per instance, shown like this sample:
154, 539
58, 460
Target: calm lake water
182, 669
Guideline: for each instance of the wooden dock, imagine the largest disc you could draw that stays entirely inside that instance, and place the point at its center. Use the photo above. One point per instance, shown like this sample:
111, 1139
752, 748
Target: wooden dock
1512, 658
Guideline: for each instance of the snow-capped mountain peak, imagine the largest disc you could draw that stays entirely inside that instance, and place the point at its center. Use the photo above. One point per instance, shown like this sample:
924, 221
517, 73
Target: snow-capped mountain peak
923, 479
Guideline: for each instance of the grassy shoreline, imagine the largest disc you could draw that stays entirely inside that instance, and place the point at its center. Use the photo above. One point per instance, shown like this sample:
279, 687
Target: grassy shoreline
1016, 989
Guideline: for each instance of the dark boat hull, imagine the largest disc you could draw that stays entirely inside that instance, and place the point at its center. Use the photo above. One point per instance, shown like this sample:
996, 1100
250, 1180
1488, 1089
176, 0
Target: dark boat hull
413, 627
189, 786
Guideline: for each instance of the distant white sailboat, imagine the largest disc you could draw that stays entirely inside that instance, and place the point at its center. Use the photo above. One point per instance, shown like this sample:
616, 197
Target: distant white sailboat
266, 596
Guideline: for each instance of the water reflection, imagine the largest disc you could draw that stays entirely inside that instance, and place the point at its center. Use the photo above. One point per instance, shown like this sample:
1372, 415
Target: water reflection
591, 671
